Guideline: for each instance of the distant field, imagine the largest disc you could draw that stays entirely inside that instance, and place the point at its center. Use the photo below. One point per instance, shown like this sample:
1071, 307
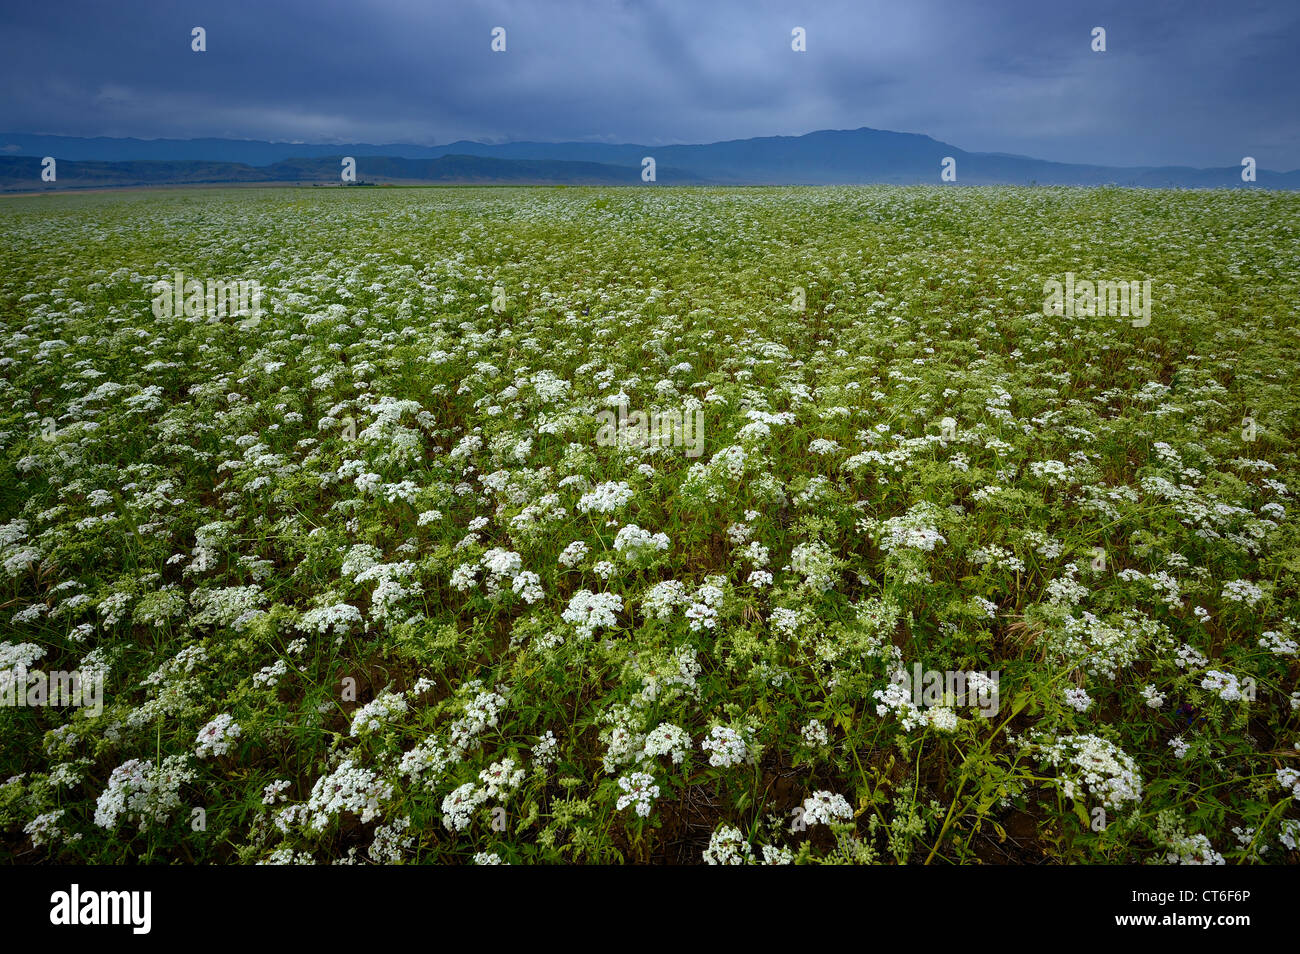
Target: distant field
650, 525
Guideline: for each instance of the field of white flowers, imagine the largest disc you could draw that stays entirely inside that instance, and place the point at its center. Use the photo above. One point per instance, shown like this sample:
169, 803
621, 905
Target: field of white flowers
361, 582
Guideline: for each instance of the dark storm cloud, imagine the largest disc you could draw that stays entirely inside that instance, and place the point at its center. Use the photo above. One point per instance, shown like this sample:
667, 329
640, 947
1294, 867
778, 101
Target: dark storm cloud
1193, 83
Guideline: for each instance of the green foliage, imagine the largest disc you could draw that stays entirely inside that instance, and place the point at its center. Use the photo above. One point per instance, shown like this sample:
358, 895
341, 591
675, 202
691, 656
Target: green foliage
364, 584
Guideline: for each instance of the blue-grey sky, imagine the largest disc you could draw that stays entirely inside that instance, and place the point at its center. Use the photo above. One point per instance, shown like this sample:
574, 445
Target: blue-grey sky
1182, 82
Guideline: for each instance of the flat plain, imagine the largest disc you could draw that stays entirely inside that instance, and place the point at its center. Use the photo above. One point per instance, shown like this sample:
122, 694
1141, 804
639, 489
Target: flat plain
358, 577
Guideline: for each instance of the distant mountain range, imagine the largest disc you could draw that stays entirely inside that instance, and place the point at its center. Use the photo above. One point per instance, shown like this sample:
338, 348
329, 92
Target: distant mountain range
23, 173
828, 157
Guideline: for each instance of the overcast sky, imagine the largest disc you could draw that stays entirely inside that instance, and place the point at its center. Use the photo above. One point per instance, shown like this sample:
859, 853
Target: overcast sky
1192, 82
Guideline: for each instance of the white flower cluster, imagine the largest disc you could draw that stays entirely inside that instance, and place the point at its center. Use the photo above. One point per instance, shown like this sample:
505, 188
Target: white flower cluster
16, 656
574, 554
606, 498
391, 841
1050, 471
527, 585
500, 778
500, 562
464, 577
1078, 699
589, 611
481, 713
1189, 657
274, 792
360, 558
896, 698
999, 557
637, 544
822, 807
348, 788
544, 751
1242, 591
269, 676
1044, 544
623, 739
639, 790
1223, 684
217, 736
389, 590
785, 621
499, 566
144, 791
729, 846
814, 733
703, 612
1289, 834
914, 530
233, 606
1289, 779
667, 739
1097, 766
677, 677
383, 708
728, 746
459, 806
426, 762
1066, 590
1102, 647
815, 563
1193, 850
14, 557
44, 829
1279, 644
660, 600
